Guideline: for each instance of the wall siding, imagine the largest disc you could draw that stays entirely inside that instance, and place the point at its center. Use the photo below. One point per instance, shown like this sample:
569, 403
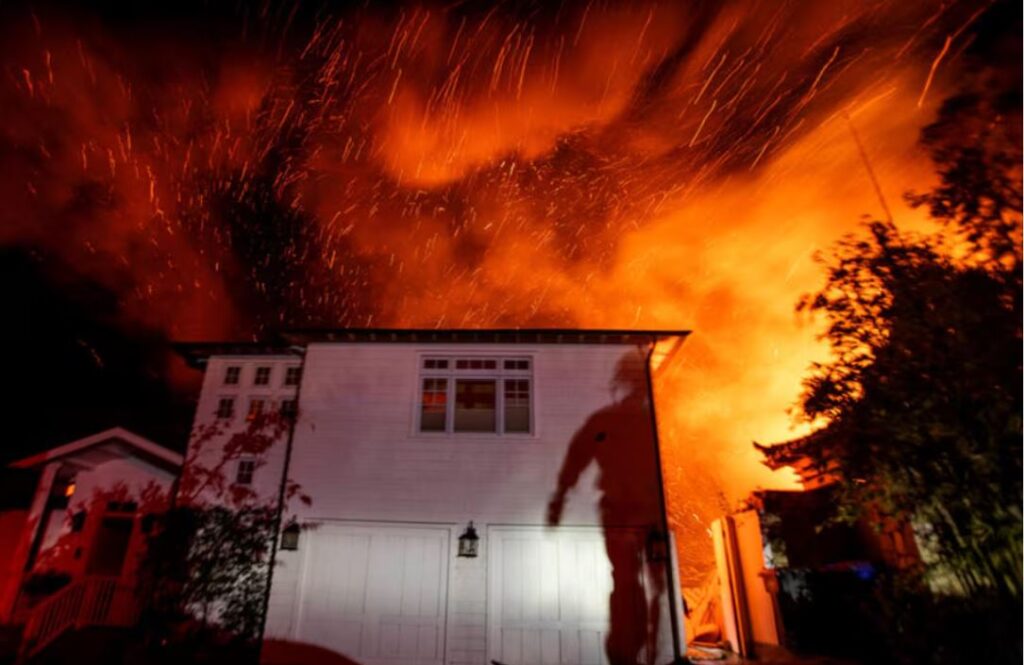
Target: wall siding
357, 454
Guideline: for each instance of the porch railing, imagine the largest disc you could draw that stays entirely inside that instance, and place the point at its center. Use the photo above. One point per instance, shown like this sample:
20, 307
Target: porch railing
89, 601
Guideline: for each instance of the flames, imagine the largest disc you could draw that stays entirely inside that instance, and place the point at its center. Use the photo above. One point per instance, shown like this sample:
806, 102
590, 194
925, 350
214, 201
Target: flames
636, 165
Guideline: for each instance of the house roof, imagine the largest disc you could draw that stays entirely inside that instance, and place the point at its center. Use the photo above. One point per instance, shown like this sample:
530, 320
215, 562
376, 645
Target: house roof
808, 455
103, 446
293, 341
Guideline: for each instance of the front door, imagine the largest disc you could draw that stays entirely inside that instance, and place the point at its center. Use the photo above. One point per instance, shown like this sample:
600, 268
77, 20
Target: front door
110, 546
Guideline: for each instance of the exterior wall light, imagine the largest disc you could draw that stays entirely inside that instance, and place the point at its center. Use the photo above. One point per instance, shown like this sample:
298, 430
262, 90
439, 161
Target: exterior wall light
290, 537
469, 542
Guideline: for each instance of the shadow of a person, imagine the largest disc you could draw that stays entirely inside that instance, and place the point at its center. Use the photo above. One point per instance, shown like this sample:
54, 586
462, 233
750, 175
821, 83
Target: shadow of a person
620, 441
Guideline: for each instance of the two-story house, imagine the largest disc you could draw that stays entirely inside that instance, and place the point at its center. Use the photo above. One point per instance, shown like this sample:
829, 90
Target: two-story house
476, 495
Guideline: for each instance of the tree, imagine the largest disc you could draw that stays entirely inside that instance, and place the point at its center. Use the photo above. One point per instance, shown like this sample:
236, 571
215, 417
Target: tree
206, 571
923, 391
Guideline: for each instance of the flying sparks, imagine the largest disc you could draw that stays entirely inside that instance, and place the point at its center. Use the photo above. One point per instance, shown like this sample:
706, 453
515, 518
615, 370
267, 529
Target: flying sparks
605, 165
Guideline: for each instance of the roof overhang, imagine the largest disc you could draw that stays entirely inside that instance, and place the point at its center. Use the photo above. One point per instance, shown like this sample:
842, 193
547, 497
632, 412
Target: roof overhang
293, 342
113, 443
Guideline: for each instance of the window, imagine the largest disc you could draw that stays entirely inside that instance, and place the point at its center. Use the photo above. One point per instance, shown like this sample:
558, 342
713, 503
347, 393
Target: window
226, 407
244, 472
474, 406
434, 405
255, 408
289, 408
475, 363
461, 394
231, 375
262, 376
292, 375
517, 405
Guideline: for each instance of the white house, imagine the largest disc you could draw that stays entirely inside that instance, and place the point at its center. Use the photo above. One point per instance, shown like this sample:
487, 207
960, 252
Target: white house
476, 495
72, 549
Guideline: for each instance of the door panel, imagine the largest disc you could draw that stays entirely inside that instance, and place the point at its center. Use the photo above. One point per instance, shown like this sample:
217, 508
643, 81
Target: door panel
376, 593
549, 594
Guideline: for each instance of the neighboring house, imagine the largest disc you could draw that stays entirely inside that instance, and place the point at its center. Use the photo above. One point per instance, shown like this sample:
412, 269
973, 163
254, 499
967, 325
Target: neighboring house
80, 528
789, 574
883, 540
476, 495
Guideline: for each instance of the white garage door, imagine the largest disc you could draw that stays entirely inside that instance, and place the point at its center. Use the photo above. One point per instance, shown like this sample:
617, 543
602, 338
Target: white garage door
549, 595
376, 594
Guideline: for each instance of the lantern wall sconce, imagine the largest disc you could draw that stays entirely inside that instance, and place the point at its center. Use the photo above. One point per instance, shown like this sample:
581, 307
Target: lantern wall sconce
469, 543
290, 537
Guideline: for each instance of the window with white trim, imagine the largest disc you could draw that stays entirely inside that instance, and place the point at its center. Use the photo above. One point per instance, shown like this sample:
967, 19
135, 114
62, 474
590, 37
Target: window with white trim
256, 405
475, 394
292, 375
226, 407
262, 376
245, 471
231, 375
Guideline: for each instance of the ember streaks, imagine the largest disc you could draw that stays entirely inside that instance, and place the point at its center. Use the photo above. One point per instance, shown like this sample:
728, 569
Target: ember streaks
521, 164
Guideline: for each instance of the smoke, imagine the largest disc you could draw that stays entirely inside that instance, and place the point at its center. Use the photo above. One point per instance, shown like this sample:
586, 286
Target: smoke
527, 164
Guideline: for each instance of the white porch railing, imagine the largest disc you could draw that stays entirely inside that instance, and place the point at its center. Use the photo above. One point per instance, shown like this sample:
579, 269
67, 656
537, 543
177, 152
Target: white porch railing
90, 601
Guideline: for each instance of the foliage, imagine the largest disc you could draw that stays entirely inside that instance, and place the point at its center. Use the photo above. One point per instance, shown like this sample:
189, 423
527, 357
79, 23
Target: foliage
924, 387
206, 571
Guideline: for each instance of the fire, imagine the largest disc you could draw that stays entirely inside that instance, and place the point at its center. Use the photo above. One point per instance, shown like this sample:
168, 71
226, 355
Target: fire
649, 165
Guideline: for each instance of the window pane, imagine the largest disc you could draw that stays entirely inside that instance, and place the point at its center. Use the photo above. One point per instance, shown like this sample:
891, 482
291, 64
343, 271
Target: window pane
262, 376
225, 407
474, 406
517, 405
232, 374
433, 405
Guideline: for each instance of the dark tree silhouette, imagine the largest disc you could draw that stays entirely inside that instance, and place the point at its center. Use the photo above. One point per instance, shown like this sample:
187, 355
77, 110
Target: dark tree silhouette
206, 569
924, 387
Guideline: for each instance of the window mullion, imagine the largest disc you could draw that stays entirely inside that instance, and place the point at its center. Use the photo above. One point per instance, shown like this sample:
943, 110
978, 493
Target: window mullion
499, 404
449, 404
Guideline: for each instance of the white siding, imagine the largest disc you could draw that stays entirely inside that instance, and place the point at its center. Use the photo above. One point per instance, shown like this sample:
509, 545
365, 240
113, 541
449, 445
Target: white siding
357, 454
267, 478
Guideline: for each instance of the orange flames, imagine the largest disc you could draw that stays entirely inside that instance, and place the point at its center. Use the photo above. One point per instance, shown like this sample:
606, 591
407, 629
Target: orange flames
646, 165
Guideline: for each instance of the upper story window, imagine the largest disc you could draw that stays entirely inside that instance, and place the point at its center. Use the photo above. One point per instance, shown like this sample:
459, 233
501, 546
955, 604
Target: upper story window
292, 376
262, 376
289, 408
232, 374
245, 471
226, 407
255, 408
469, 394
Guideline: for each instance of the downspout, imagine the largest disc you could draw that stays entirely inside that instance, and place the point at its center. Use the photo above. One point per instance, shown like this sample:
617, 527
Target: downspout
280, 504
677, 654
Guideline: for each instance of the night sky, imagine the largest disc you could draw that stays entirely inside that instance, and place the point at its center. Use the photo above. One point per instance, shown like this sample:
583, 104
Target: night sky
212, 171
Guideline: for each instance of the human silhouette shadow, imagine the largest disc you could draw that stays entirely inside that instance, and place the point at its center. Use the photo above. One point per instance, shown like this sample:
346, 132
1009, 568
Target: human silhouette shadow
619, 439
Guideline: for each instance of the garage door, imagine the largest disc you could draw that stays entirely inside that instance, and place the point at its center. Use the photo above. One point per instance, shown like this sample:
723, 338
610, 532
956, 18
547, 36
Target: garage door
549, 595
376, 594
